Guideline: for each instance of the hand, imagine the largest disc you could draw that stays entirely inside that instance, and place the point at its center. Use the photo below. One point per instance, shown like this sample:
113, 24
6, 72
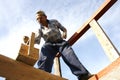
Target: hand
26, 40
64, 35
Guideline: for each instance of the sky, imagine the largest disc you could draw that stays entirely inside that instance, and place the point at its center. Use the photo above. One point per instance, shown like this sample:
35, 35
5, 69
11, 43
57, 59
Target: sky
17, 19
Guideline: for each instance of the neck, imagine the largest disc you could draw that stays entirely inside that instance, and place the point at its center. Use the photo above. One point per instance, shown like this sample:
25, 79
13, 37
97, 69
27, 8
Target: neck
45, 24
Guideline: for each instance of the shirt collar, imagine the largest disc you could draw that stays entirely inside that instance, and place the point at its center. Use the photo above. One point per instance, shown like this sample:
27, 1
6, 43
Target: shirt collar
42, 25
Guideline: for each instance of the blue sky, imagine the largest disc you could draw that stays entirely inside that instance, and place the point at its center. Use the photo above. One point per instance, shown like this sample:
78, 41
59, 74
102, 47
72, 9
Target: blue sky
17, 18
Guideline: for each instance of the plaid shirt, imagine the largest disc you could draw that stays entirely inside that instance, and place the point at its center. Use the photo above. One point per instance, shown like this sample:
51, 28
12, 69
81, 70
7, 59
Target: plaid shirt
50, 34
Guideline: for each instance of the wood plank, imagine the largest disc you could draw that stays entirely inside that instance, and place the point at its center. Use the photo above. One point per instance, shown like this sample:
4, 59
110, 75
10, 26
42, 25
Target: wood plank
23, 55
32, 44
104, 40
28, 53
111, 72
15, 70
101, 10
26, 59
24, 49
57, 66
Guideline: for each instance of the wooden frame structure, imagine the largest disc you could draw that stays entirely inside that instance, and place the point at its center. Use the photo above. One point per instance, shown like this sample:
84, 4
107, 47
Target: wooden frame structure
23, 71
16, 70
112, 52
22, 67
104, 40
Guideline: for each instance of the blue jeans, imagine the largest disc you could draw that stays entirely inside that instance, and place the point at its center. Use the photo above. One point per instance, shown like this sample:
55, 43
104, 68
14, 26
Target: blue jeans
49, 51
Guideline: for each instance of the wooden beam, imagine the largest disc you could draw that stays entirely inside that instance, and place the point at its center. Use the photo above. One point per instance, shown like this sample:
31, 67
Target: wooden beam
101, 10
104, 40
23, 55
57, 66
15, 70
28, 53
111, 72
31, 48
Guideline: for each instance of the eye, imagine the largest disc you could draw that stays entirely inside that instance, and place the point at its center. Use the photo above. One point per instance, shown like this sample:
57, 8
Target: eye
37, 18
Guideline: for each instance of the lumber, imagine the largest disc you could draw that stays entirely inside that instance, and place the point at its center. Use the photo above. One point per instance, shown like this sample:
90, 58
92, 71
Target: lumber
28, 53
111, 72
101, 10
104, 40
24, 56
15, 70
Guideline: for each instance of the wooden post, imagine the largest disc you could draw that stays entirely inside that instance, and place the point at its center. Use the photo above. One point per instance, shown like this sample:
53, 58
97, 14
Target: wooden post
28, 53
31, 47
104, 40
57, 66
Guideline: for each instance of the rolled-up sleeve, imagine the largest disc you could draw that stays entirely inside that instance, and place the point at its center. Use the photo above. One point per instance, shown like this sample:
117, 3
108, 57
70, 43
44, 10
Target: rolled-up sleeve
60, 26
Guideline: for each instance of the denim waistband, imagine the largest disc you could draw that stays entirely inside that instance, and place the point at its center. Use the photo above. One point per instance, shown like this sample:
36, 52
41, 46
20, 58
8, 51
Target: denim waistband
57, 41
